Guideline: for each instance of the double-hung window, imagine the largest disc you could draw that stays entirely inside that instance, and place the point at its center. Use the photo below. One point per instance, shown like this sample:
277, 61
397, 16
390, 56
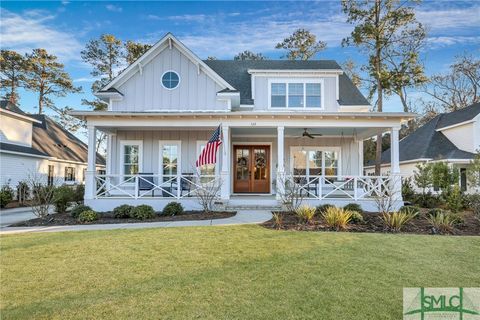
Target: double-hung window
69, 174
170, 159
130, 158
296, 94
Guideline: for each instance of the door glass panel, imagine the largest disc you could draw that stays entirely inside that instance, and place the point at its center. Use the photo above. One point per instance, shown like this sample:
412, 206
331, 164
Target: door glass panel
331, 163
242, 160
260, 164
170, 161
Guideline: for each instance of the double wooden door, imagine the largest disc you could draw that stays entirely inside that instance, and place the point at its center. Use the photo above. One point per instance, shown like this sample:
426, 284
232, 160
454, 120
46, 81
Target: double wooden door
251, 169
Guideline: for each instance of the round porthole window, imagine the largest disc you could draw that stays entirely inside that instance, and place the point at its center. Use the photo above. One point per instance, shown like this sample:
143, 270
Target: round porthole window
170, 80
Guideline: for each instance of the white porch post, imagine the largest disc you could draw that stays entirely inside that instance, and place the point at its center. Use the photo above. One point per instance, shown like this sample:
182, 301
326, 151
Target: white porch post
280, 161
90, 187
225, 170
395, 162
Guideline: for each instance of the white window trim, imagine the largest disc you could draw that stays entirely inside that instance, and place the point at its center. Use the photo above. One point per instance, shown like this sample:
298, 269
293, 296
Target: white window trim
179, 80
162, 143
199, 150
296, 80
313, 148
124, 143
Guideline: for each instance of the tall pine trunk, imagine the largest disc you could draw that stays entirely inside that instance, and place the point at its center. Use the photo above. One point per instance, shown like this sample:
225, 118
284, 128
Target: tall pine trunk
378, 74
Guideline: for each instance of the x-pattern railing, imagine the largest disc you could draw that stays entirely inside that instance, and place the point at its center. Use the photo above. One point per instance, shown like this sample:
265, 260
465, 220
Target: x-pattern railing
350, 187
153, 185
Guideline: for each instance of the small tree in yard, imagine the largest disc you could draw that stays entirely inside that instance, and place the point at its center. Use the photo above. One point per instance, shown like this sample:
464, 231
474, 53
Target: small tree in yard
42, 195
207, 192
423, 177
473, 171
292, 195
443, 176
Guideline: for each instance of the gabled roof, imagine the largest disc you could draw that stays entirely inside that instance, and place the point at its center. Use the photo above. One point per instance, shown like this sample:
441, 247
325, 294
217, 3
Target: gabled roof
50, 138
428, 143
236, 72
459, 116
167, 41
10, 107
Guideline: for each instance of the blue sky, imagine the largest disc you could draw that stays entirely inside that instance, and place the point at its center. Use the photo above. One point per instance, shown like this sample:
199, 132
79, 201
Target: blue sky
219, 29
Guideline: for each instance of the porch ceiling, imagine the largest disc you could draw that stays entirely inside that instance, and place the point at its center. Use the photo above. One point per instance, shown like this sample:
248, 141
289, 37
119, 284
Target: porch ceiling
297, 132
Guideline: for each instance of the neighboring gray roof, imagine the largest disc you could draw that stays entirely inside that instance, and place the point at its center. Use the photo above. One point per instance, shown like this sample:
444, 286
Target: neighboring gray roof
50, 138
21, 149
236, 73
7, 105
459, 116
427, 143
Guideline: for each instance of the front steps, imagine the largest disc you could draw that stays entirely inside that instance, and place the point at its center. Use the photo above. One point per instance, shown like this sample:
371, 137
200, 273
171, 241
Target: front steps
238, 203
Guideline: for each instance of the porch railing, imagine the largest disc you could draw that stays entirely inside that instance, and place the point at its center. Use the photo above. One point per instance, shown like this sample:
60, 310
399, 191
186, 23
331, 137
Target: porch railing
343, 187
154, 185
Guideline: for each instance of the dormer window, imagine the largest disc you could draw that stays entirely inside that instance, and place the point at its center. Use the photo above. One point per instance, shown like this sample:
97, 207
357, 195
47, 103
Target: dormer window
296, 94
170, 80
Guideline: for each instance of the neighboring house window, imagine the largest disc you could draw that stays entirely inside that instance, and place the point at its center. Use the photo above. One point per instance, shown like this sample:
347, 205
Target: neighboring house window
296, 94
130, 158
207, 169
463, 179
101, 172
170, 80
170, 163
84, 174
69, 174
313, 161
51, 169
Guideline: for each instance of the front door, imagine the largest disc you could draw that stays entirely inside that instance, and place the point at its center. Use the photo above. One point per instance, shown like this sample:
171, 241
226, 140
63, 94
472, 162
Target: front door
251, 169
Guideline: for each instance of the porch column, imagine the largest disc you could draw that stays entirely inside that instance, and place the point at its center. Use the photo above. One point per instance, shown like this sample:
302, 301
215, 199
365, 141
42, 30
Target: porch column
225, 170
91, 165
395, 162
280, 161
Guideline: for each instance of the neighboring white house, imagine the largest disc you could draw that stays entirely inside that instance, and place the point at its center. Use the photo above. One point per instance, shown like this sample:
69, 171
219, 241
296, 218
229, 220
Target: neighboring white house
35, 144
452, 137
302, 121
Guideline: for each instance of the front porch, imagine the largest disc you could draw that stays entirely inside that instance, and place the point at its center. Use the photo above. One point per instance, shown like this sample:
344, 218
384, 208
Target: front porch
154, 164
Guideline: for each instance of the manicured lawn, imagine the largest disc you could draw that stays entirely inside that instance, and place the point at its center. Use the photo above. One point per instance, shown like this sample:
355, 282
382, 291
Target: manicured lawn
245, 272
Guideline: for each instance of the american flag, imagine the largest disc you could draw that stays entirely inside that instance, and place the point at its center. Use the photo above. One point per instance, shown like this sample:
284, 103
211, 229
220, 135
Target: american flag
209, 153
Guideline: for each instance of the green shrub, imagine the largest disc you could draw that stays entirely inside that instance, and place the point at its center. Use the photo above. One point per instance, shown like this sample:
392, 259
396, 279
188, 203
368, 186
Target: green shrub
408, 192
79, 209
441, 222
143, 212
62, 196
6, 195
414, 210
305, 213
454, 199
353, 207
427, 200
435, 211
395, 221
79, 193
337, 218
322, 208
87, 216
23, 191
173, 209
356, 217
124, 211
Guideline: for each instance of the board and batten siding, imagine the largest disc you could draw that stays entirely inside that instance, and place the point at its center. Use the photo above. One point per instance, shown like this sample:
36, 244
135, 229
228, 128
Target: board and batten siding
189, 138
262, 91
144, 92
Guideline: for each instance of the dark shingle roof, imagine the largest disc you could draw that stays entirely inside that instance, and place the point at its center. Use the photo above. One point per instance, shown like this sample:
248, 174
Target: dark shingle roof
235, 72
459, 116
21, 149
7, 105
50, 138
428, 143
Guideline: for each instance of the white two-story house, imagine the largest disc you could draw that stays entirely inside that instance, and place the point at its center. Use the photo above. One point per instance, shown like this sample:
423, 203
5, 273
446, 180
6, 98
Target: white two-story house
298, 121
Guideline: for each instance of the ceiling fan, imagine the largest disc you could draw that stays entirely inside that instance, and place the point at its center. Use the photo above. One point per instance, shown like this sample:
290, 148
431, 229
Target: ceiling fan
310, 135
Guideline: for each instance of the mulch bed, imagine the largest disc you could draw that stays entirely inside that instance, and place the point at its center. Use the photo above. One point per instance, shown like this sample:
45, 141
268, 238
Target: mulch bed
373, 223
60, 219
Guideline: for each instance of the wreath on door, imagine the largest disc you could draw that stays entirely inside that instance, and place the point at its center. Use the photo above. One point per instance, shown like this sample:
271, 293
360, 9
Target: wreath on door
260, 163
242, 162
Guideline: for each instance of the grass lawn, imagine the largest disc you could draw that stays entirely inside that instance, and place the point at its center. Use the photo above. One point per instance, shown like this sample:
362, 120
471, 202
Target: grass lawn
244, 272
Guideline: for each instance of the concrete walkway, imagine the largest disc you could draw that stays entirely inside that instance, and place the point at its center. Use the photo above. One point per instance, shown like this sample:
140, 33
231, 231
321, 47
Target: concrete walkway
14, 215
242, 217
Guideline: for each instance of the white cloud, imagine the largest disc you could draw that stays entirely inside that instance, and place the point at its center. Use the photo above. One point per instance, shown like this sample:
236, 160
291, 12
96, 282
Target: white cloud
189, 18
31, 29
153, 17
444, 41
449, 19
85, 79
113, 8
